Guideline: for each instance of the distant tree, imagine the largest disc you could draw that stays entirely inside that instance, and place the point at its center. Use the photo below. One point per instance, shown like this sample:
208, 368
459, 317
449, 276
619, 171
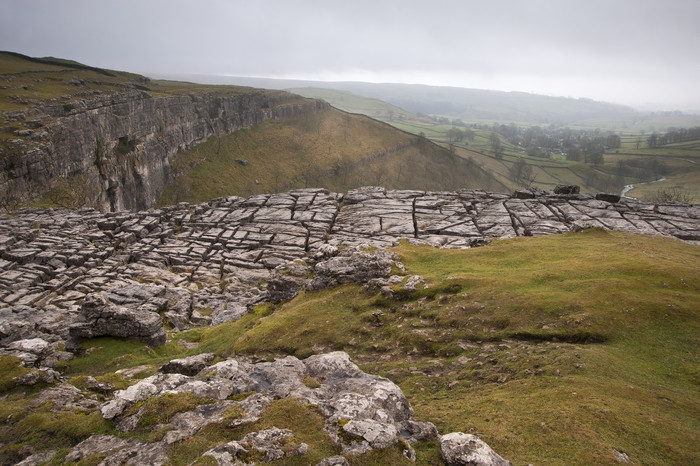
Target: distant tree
652, 140
496, 146
673, 194
469, 134
597, 158
613, 141
455, 134
522, 173
574, 155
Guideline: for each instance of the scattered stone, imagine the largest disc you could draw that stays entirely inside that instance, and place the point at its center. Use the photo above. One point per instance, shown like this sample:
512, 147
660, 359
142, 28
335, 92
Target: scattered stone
621, 457
607, 197
37, 458
44, 375
334, 461
101, 387
567, 189
97, 444
187, 366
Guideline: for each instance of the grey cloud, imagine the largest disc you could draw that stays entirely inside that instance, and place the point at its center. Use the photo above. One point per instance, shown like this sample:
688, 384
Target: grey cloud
498, 40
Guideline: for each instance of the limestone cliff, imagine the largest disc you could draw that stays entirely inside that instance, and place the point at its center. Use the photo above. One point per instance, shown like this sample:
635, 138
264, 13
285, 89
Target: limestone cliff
119, 146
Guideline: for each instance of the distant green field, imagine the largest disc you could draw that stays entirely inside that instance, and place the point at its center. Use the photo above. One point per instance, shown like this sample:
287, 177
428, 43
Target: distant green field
682, 160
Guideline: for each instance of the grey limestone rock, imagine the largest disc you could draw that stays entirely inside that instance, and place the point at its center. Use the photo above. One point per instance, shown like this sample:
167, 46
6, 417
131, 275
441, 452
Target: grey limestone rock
567, 189
355, 265
334, 461
371, 410
102, 318
204, 264
187, 366
459, 449
267, 443
96, 444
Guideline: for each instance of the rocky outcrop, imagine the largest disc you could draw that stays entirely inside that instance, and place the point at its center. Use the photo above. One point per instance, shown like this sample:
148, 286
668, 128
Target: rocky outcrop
101, 318
361, 412
67, 275
120, 145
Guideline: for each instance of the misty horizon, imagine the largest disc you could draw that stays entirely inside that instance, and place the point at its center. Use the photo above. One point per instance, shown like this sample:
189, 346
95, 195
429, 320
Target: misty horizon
635, 53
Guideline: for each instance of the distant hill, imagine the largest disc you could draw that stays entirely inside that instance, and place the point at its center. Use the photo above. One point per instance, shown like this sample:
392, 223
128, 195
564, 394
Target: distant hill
472, 105
462, 103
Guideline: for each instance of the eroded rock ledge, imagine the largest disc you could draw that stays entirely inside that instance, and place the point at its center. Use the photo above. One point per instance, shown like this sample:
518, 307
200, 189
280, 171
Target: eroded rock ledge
119, 145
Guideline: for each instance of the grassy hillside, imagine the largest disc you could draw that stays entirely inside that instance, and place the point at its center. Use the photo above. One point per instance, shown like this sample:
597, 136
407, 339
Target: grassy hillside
556, 350
353, 103
332, 149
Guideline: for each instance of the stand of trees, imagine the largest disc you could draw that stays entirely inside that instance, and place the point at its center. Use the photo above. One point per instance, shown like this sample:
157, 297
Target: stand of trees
672, 136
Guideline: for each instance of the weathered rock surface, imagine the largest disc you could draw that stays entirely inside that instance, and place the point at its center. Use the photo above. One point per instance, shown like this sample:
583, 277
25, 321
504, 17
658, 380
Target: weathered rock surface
195, 265
361, 411
461, 449
101, 318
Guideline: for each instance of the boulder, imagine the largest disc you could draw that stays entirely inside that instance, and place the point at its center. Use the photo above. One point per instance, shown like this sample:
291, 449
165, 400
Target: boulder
461, 449
334, 461
191, 365
608, 197
354, 265
95, 445
102, 318
567, 189
374, 434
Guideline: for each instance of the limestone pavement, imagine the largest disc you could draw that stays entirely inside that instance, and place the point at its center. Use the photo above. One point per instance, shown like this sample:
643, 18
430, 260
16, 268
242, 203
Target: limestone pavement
207, 263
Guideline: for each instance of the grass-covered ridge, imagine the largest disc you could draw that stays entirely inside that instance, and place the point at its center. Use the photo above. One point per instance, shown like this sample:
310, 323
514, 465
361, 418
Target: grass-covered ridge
50, 81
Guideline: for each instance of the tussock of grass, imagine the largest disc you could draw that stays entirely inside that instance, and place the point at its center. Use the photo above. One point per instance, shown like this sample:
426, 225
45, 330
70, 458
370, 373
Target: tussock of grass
10, 369
42, 428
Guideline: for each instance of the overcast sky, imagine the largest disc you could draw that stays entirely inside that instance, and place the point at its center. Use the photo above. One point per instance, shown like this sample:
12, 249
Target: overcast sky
634, 52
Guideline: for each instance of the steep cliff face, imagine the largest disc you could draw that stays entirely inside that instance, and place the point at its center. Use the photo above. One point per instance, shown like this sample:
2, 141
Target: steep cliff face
119, 146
